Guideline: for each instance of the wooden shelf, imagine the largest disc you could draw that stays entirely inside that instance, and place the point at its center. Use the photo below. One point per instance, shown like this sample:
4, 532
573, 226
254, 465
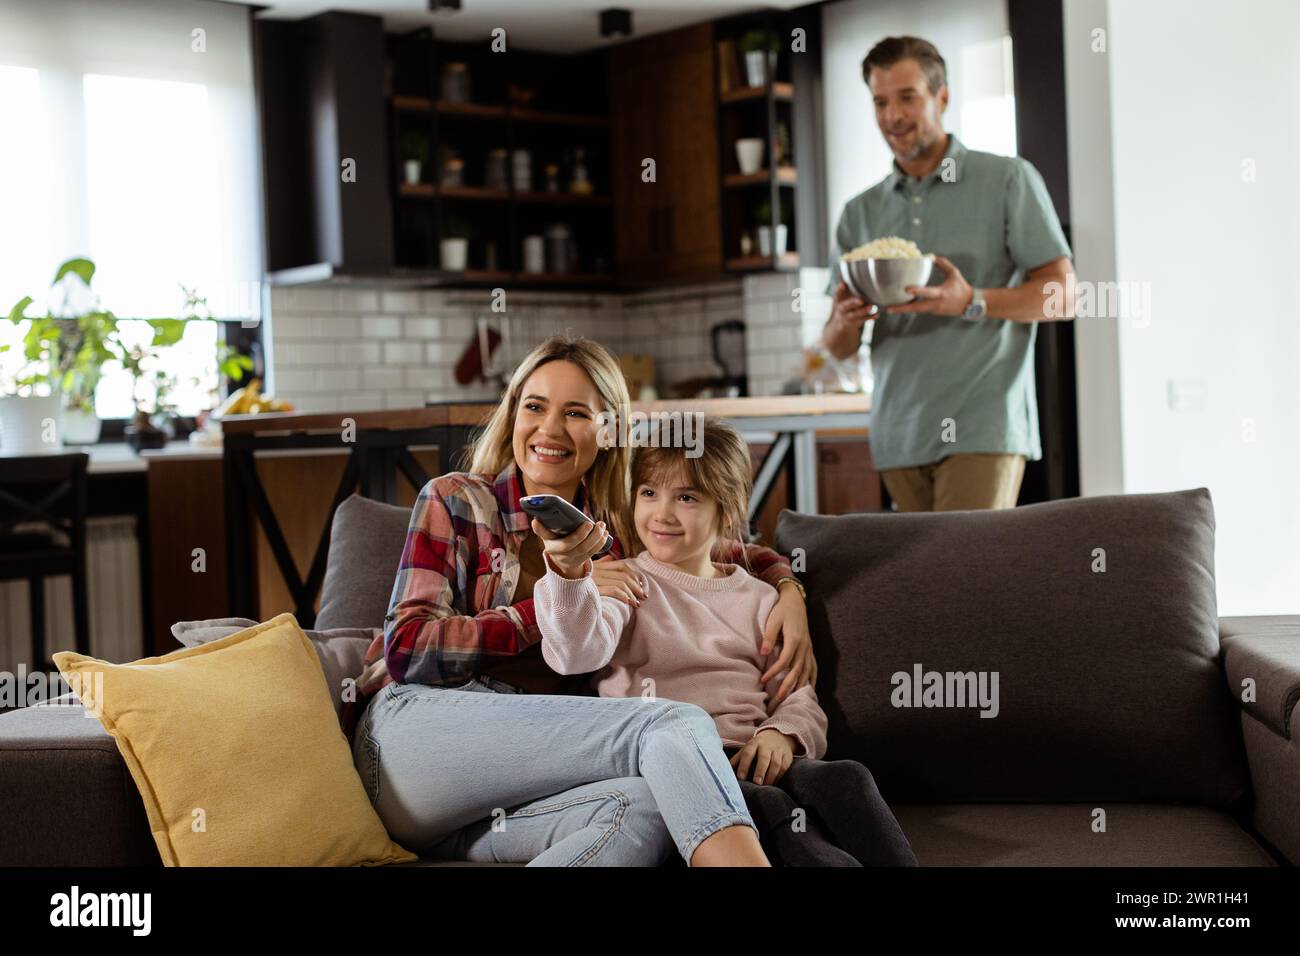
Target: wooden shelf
781, 92
479, 193
559, 119
785, 176
476, 110
422, 104
787, 261
563, 198
473, 192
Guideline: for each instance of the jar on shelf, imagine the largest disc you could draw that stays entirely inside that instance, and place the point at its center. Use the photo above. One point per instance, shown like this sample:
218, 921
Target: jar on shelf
455, 82
453, 173
494, 175
552, 177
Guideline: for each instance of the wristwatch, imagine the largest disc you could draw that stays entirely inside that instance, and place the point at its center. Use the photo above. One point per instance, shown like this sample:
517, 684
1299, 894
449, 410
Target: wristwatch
977, 308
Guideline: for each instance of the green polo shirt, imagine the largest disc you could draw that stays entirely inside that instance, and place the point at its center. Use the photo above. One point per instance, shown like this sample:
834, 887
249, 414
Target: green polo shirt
944, 384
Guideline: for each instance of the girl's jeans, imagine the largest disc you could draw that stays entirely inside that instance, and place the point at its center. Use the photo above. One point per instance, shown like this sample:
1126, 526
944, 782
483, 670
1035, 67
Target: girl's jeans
480, 773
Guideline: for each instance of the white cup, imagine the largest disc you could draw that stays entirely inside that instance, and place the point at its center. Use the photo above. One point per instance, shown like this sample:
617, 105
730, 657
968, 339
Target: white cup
749, 153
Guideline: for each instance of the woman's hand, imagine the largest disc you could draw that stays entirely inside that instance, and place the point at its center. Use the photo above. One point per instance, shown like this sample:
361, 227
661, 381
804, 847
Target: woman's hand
618, 579
770, 752
789, 622
569, 553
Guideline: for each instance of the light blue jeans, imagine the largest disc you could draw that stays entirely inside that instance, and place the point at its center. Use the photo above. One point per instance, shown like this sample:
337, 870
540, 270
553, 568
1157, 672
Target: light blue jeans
482, 773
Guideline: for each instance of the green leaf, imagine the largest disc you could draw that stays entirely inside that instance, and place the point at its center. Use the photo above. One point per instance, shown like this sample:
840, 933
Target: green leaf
16, 313
167, 331
82, 267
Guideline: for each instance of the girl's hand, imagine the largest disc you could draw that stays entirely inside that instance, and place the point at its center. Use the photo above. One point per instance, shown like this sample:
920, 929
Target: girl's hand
770, 752
569, 554
618, 579
789, 622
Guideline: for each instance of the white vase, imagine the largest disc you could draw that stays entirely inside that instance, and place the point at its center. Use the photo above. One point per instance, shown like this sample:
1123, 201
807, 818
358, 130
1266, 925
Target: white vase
80, 427
453, 254
30, 425
765, 240
749, 155
412, 167
759, 65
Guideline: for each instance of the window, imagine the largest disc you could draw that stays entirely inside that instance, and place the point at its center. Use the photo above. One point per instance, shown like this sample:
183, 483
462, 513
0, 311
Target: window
133, 144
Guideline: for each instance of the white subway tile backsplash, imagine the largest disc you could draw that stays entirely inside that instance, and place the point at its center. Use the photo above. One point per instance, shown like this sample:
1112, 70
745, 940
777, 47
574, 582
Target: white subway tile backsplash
339, 326
405, 301
357, 300
366, 348
304, 353
403, 353
413, 399
381, 377
437, 352
293, 325
381, 326
304, 300
362, 401
358, 353
422, 328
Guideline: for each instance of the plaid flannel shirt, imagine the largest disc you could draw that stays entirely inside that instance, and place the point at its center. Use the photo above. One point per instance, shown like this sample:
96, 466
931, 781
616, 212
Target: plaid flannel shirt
452, 604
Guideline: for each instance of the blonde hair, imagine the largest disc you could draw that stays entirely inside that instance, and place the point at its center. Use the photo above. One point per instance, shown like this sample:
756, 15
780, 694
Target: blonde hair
723, 471
606, 481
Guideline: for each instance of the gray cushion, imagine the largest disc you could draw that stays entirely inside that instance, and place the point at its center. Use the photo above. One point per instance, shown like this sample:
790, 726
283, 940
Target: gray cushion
1062, 834
366, 541
340, 650
1109, 684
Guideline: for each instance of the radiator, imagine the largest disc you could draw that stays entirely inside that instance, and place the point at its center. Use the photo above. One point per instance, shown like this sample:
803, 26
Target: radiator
113, 596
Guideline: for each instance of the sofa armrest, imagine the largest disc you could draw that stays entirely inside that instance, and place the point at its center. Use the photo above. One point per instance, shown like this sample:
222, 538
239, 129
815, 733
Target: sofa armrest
68, 797
1266, 651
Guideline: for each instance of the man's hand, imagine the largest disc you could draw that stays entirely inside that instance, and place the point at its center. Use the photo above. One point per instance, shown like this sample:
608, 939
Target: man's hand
951, 298
849, 310
770, 752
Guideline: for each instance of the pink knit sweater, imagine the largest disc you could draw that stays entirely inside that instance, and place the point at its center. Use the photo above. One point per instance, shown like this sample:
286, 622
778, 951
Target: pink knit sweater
697, 639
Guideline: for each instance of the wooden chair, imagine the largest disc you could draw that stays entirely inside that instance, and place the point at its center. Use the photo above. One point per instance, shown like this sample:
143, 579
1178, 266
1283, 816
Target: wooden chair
43, 534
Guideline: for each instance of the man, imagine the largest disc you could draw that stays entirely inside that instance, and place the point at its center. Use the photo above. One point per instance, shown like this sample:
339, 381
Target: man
954, 412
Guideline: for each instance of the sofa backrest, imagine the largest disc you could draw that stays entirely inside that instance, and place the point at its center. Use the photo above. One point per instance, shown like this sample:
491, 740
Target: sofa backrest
1093, 619
366, 541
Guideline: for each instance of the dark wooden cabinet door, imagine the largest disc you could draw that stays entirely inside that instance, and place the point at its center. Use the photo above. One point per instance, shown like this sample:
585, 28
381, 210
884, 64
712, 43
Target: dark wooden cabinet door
688, 129
663, 108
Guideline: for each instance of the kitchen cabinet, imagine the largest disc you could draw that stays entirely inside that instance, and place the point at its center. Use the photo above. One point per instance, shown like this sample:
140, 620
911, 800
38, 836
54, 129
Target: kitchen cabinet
663, 108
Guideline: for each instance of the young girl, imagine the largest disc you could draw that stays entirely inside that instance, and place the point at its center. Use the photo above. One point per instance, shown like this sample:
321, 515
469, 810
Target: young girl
695, 638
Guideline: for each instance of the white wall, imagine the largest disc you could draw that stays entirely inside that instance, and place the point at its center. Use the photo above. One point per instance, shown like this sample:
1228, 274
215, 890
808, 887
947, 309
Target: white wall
1186, 97
856, 154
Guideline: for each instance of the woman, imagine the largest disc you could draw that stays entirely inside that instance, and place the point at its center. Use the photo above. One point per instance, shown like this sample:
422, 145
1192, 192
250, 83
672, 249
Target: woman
470, 746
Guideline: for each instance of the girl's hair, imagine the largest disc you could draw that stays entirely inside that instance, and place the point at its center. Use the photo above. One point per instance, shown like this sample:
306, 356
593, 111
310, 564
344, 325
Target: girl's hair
608, 497
723, 472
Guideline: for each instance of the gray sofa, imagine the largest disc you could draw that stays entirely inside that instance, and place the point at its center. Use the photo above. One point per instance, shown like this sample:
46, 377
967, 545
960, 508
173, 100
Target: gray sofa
1127, 724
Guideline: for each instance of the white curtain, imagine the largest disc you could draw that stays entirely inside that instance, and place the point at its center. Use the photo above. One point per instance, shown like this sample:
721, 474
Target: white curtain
128, 134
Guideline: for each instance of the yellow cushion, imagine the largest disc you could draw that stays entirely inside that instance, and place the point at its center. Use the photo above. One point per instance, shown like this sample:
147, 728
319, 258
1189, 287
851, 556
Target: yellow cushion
237, 752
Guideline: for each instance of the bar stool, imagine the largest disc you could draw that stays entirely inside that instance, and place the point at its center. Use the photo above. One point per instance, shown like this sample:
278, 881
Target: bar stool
43, 534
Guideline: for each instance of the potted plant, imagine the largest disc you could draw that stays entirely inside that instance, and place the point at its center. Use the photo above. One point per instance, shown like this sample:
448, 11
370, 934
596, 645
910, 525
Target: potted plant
760, 49
765, 226
65, 349
151, 426
453, 247
415, 153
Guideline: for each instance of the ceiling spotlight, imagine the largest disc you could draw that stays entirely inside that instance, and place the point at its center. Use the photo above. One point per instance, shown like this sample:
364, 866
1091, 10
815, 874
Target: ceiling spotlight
615, 22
